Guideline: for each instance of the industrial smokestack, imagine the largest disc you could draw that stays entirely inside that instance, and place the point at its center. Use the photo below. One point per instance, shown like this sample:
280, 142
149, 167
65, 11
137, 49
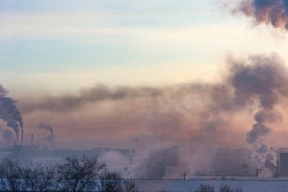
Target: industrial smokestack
263, 80
22, 137
277, 169
257, 173
8, 136
51, 137
9, 112
32, 139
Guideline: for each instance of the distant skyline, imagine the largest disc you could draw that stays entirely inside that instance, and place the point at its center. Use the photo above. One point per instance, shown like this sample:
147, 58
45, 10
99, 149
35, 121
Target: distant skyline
59, 46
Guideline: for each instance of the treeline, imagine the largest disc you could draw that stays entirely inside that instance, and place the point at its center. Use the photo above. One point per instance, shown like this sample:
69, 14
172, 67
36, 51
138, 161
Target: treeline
222, 188
74, 174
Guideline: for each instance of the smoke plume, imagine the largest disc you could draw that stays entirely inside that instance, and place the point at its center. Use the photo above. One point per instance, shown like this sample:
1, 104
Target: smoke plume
99, 94
117, 162
9, 112
197, 118
8, 136
271, 12
263, 82
51, 137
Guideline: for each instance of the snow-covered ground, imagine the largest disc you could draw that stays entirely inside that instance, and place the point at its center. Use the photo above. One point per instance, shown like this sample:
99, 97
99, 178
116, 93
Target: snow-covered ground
247, 184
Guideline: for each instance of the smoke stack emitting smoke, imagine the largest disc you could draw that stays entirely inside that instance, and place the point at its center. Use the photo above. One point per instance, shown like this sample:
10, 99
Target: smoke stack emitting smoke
51, 137
259, 83
8, 136
264, 81
9, 112
272, 12
197, 114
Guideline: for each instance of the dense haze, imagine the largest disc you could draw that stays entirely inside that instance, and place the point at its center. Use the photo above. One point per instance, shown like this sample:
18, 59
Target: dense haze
245, 109
196, 117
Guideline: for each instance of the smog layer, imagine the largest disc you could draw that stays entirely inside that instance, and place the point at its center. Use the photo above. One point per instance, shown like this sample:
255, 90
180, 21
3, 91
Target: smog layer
245, 109
196, 117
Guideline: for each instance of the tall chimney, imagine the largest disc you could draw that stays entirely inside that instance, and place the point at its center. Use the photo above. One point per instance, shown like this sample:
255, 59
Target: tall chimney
257, 173
184, 176
32, 139
22, 137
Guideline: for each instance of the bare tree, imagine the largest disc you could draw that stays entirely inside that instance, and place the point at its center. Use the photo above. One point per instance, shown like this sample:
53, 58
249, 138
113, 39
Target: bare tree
130, 186
110, 182
40, 178
79, 173
75, 174
11, 174
205, 188
228, 188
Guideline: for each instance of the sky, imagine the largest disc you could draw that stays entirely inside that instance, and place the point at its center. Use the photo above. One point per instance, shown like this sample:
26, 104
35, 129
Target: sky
146, 74
57, 47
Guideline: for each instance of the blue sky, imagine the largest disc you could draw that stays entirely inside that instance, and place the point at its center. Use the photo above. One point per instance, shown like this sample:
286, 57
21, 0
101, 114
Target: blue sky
58, 46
